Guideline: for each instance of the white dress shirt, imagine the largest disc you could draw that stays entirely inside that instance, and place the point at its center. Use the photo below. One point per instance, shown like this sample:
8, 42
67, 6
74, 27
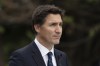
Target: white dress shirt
44, 52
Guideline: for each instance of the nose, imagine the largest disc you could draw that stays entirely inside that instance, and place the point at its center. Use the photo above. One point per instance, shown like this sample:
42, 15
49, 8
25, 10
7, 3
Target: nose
58, 29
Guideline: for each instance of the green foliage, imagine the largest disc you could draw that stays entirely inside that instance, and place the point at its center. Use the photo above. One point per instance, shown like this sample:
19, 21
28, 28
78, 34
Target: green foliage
2, 30
92, 1
68, 19
94, 30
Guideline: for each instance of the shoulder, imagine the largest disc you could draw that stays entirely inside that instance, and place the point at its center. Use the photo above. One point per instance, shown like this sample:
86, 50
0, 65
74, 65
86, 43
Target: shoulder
21, 56
60, 52
19, 52
62, 57
23, 51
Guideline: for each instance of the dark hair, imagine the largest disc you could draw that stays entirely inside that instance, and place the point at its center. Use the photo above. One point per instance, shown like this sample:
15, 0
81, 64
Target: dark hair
42, 11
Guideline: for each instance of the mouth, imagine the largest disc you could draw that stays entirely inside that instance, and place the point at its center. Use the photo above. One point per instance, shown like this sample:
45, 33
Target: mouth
57, 37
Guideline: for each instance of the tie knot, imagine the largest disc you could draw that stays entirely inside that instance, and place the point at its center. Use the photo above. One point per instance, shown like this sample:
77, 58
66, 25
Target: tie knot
49, 54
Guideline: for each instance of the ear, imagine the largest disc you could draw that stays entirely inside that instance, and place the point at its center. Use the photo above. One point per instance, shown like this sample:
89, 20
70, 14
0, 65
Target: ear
37, 28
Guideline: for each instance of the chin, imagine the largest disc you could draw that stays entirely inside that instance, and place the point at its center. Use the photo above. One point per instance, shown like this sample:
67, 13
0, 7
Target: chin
57, 42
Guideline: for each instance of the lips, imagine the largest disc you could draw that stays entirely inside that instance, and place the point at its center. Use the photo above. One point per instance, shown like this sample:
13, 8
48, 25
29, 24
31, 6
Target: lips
57, 37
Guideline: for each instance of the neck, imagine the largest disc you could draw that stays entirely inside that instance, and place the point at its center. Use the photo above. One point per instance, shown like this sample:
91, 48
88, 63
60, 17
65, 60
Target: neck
44, 43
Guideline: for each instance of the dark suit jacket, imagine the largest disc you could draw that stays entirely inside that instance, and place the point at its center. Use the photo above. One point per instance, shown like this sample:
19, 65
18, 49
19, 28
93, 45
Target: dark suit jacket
31, 56
96, 63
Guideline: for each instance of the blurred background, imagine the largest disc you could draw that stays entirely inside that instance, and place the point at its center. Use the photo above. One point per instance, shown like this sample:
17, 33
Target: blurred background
81, 29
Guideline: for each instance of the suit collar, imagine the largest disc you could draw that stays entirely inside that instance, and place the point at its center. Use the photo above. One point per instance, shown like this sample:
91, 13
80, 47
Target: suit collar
43, 49
37, 55
58, 56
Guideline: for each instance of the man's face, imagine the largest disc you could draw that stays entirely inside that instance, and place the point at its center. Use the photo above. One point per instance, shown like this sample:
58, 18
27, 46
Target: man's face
50, 32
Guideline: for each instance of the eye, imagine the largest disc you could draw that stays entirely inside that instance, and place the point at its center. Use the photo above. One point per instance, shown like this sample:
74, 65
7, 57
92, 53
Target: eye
53, 24
56, 24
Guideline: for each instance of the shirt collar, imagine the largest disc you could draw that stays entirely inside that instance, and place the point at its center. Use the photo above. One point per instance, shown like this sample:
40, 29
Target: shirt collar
43, 49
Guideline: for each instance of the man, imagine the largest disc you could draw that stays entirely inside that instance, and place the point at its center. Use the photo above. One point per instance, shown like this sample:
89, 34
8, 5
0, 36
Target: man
47, 22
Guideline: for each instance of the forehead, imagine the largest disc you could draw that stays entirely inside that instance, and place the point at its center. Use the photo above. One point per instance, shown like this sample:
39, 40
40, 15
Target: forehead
53, 18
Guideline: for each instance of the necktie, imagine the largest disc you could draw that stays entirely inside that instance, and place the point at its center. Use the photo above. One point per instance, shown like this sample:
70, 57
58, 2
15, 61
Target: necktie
49, 63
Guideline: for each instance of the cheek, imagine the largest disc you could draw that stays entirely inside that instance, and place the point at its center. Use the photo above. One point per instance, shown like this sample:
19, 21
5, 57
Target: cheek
49, 35
48, 32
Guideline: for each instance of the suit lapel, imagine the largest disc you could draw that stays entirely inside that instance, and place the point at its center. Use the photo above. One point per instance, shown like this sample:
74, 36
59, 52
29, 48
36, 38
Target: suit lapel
58, 57
37, 55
